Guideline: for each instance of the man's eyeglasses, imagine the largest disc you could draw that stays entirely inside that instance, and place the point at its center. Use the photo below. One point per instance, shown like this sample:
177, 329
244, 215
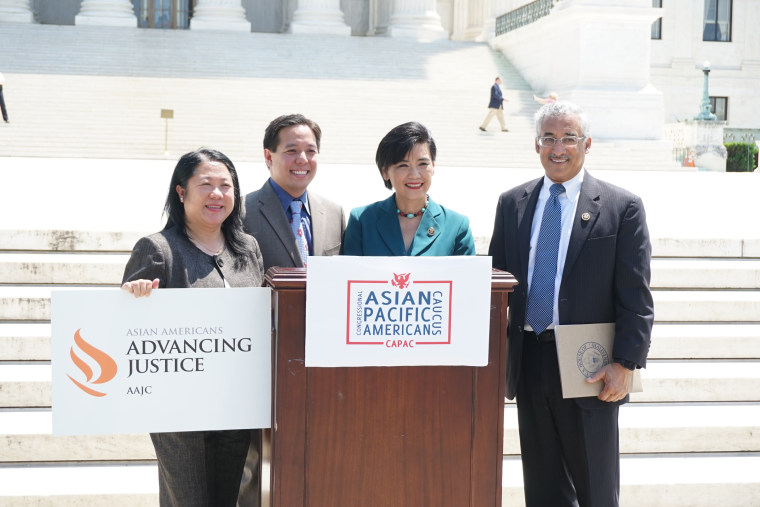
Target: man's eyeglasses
547, 142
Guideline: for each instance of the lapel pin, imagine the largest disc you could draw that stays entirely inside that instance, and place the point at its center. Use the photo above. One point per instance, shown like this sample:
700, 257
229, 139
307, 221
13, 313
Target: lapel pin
431, 231
586, 216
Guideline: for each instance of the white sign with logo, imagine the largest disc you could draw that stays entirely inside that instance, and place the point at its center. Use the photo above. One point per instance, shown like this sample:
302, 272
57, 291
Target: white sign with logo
397, 311
179, 360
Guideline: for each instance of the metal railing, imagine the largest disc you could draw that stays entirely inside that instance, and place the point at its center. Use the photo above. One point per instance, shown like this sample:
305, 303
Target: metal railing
741, 135
524, 15
746, 136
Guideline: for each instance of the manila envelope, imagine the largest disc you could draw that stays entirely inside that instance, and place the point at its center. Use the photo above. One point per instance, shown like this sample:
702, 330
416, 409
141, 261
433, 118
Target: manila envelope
582, 350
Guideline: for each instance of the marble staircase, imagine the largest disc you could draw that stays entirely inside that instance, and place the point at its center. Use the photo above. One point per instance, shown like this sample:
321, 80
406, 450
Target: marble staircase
690, 439
98, 92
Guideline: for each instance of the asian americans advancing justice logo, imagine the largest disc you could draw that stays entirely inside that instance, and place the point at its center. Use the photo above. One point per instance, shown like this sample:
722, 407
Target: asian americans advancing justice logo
105, 363
399, 313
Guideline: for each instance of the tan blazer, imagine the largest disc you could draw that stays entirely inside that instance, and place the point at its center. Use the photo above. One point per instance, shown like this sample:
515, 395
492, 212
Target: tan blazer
265, 219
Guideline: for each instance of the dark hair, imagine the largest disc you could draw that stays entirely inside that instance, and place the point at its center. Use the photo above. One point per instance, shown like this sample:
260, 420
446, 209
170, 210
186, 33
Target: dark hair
272, 132
400, 141
175, 211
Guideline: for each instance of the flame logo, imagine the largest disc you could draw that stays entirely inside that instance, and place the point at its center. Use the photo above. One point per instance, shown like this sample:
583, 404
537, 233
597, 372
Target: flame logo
104, 361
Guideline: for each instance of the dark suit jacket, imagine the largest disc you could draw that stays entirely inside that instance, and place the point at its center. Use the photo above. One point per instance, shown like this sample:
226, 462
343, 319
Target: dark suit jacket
496, 101
178, 263
374, 230
606, 274
266, 220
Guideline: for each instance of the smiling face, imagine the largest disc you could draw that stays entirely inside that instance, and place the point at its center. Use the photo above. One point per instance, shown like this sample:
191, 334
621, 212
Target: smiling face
208, 197
561, 163
411, 177
294, 163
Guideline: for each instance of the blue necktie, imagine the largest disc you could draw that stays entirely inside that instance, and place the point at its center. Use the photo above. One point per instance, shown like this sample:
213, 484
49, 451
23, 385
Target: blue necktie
297, 226
540, 311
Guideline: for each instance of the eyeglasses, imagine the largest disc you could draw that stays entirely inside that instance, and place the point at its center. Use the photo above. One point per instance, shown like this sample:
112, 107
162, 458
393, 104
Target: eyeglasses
547, 142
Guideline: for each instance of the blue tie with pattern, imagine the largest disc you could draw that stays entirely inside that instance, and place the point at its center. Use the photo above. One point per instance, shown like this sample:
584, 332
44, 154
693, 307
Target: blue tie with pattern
541, 296
297, 226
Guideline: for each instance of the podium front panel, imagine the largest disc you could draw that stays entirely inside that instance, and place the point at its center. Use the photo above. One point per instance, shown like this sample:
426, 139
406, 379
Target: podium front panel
383, 436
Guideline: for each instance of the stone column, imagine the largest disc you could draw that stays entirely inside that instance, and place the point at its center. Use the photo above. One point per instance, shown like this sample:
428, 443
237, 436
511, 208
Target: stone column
319, 16
459, 20
416, 19
219, 15
379, 15
492, 11
106, 13
16, 11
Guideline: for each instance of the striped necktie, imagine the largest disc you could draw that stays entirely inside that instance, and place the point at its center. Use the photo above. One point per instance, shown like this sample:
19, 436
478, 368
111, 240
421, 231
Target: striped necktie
297, 226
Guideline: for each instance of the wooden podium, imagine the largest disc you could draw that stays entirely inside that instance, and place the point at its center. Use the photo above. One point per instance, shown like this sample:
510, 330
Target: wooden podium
427, 436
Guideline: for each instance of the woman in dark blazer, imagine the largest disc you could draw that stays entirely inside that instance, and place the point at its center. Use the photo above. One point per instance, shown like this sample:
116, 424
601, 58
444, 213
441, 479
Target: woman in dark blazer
408, 222
202, 245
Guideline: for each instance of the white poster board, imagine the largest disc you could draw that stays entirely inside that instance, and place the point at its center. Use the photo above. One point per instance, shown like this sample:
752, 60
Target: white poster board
397, 311
179, 360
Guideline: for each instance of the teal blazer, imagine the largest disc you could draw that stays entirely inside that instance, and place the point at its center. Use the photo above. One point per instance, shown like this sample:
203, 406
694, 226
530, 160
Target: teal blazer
374, 230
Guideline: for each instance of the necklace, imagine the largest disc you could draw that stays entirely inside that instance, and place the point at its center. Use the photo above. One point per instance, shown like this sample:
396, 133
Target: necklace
420, 212
205, 249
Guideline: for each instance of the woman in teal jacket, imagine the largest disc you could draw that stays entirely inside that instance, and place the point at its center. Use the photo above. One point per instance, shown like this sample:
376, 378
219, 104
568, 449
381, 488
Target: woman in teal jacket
408, 222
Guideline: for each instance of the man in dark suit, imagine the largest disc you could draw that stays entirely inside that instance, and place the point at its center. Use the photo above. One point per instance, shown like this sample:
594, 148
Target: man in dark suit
291, 147
591, 262
495, 107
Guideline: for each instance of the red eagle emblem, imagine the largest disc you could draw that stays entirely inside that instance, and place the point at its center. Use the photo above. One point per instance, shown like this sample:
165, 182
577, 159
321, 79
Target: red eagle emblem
400, 280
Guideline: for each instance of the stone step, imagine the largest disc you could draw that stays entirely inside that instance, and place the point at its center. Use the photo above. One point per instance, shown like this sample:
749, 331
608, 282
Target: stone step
108, 101
696, 480
699, 381
30, 341
62, 268
138, 132
715, 247
28, 302
67, 240
705, 273
682, 480
663, 249
27, 384
119, 484
707, 306
705, 341
647, 428
106, 241
25, 341
100, 268
644, 429
21, 302
27, 437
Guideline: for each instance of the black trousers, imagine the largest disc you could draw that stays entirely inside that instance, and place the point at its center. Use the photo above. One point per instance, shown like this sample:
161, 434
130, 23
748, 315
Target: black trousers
200, 468
570, 449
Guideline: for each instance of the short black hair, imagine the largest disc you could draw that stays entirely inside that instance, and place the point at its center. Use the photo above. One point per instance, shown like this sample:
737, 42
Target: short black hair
272, 132
400, 141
